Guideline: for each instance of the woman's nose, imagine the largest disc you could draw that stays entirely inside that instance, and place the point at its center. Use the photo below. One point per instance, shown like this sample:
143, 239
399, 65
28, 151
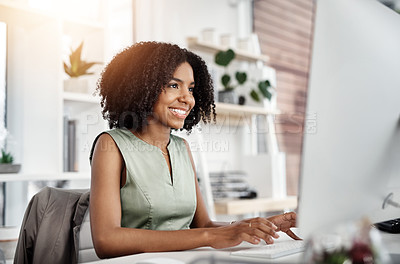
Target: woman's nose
186, 96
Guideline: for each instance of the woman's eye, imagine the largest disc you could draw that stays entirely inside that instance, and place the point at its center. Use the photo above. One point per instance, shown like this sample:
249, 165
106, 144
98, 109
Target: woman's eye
173, 85
191, 89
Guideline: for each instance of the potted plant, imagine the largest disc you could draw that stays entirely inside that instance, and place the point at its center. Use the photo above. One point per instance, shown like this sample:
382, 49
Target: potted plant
228, 95
77, 67
6, 161
263, 93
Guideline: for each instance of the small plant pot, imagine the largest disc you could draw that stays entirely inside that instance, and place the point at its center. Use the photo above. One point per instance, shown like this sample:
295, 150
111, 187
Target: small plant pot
242, 100
228, 97
76, 85
9, 168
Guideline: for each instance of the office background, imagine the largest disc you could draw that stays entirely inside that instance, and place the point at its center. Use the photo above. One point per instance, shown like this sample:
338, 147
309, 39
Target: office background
40, 34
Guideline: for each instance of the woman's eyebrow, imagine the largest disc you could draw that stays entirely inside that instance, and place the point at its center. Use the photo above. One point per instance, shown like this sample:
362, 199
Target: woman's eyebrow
179, 80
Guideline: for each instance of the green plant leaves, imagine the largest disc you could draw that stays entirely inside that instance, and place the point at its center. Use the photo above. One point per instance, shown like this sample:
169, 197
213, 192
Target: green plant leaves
223, 58
78, 67
263, 90
263, 87
241, 77
255, 95
6, 157
225, 79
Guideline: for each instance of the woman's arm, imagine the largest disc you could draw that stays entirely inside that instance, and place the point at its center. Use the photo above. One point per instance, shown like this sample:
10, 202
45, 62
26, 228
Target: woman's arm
110, 239
282, 222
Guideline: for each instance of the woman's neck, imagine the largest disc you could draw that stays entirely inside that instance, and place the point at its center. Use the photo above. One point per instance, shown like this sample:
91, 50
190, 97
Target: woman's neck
154, 136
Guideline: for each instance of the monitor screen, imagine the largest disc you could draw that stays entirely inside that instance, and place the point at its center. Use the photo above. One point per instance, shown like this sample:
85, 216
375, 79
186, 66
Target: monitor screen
352, 160
3, 78
3, 83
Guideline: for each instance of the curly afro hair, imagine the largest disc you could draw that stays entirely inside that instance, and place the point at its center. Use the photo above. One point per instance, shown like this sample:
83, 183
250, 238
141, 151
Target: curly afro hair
131, 83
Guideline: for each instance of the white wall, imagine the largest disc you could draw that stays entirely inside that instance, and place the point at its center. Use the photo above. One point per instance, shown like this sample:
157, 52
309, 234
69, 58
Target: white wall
175, 20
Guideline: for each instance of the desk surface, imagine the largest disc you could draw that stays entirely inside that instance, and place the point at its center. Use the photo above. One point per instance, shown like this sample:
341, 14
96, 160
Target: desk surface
205, 255
249, 206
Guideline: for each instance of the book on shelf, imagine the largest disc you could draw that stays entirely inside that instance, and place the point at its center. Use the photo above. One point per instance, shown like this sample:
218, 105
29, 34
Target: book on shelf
69, 148
231, 184
249, 194
65, 143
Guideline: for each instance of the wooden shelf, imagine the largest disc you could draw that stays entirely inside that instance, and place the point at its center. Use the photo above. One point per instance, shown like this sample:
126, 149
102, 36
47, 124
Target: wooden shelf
10, 177
81, 97
195, 44
242, 110
237, 207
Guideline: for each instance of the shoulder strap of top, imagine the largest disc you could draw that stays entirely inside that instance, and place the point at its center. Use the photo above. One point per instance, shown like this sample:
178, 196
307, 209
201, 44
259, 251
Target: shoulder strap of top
93, 145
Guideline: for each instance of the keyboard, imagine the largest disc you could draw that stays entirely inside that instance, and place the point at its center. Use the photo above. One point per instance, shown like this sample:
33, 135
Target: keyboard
276, 250
391, 226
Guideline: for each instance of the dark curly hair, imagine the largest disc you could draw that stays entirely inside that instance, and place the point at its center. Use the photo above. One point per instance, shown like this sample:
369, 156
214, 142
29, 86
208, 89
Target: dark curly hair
131, 83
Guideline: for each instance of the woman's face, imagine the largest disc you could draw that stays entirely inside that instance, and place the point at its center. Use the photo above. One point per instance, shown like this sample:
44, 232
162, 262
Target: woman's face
176, 101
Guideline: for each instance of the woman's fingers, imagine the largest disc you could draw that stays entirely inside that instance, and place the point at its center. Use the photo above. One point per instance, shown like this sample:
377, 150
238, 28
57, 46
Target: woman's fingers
255, 229
261, 220
250, 238
292, 235
261, 230
265, 229
266, 237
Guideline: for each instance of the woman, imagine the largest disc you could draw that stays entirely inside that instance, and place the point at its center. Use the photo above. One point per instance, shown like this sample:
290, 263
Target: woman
144, 192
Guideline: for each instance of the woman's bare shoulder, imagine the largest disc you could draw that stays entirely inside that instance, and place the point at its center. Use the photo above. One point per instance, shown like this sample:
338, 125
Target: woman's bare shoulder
105, 145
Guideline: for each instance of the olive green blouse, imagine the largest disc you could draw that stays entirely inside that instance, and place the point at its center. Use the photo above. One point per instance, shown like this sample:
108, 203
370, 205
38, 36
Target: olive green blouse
151, 198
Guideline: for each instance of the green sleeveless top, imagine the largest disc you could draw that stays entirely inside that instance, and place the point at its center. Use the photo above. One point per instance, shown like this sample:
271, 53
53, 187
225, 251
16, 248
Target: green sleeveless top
151, 198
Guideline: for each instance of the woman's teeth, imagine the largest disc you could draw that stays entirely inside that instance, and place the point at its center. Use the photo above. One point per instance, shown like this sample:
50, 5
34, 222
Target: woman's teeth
179, 111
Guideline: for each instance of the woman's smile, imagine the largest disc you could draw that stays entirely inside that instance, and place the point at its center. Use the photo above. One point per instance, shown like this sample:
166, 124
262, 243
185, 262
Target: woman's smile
179, 112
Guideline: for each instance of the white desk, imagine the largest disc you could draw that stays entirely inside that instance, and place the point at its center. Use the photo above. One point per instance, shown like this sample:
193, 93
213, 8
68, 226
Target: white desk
392, 242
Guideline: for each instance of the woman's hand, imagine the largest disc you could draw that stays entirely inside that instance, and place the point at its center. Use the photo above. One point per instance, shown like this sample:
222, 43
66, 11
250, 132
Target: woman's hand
284, 222
250, 230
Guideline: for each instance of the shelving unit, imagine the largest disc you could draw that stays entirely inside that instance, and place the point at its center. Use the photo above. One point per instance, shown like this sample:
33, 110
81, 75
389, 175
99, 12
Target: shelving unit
196, 44
80, 97
225, 109
231, 114
39, 42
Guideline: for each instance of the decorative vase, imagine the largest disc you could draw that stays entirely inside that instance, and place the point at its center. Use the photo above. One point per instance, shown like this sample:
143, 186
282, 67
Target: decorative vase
9, 168
242, 100
76, 85
228, 97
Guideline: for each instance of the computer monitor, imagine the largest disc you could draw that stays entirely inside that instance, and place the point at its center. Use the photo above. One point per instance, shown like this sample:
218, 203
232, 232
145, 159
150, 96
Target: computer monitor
351, 159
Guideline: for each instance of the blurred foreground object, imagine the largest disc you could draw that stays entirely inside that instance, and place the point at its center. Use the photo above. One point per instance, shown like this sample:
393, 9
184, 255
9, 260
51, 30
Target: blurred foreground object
351, 243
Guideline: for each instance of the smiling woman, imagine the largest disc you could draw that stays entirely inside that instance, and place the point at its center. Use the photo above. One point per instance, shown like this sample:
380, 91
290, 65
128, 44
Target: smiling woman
144, 191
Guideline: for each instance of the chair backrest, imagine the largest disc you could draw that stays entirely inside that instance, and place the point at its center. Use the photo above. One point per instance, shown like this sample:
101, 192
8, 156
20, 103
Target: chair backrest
86, 252
56, 228
50, 228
